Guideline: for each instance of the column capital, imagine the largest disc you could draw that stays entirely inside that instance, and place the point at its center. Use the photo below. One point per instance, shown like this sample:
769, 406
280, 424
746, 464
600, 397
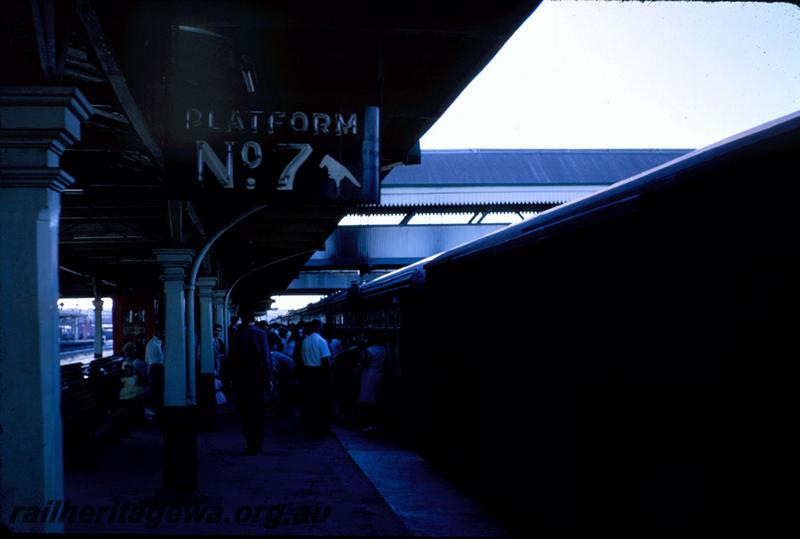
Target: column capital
219, 295
174, 258
205, 287
38, 124
173, 261
33, 113
43, 96
207, 283
173, 274
52, 177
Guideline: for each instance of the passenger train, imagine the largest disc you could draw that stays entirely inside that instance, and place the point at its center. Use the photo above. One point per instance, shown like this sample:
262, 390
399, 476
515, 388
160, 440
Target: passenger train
620, 363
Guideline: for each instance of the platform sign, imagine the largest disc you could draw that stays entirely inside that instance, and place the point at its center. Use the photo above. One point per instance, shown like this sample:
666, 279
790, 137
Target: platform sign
227, 135
297, 155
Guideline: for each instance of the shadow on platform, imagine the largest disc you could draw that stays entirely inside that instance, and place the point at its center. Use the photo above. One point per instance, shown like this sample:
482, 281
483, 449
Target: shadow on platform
342, 484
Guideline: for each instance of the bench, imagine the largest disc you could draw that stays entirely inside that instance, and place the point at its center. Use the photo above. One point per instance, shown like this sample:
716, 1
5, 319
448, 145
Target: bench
90, 408
104, 374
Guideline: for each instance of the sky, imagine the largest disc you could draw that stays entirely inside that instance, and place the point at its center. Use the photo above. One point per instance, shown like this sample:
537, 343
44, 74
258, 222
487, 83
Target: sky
293, 302
630, 75
84, 303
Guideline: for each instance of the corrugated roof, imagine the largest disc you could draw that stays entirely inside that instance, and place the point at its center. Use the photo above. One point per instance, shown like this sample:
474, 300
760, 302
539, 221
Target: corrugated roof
528, 167
467, 196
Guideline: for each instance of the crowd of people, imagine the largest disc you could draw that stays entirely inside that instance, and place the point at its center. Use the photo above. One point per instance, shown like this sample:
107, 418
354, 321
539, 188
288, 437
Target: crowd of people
273, 368
301, 367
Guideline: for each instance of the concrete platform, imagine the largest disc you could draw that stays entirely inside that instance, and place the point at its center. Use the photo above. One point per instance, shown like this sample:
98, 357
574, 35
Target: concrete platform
427, 503
342, 484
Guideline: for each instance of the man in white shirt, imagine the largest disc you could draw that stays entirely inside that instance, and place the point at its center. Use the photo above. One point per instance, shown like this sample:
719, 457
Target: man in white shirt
315, 349
154, 356
315, 377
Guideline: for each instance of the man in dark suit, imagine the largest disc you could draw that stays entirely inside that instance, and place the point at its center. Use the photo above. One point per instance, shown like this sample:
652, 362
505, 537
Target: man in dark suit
250, 376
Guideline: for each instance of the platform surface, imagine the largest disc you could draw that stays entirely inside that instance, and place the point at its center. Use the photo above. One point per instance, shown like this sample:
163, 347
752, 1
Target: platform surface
345, 483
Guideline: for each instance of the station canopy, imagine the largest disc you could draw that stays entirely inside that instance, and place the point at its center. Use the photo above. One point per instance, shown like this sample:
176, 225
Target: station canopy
204, 109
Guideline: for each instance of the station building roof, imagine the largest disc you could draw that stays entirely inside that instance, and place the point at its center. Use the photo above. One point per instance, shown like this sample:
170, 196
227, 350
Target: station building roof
528, 167
512, 177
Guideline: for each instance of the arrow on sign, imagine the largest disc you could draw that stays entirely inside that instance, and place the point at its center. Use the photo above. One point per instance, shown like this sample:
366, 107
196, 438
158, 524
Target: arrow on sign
337, 171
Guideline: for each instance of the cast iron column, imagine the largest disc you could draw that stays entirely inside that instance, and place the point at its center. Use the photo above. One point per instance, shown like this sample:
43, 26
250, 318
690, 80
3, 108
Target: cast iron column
36, 125
179, 421
98, 327
206, 392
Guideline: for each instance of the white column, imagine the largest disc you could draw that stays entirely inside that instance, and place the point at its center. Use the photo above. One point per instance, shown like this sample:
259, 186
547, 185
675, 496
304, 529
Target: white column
179, 415
174, 262
205, 290
36, 125
98, 327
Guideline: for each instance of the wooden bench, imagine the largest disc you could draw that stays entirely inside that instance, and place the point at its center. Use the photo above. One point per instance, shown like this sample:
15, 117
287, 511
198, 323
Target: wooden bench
90, 408
104, 374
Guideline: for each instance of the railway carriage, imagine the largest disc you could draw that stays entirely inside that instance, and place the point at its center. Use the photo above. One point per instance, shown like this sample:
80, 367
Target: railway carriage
624, 359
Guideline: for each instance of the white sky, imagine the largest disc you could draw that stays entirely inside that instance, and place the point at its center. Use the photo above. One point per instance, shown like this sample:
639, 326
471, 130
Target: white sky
84, 303
293, 302
631, 75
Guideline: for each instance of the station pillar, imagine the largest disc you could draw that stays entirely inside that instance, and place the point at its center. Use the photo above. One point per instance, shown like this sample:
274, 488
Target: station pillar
179, 421
206, 391
98, 327
36, 125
